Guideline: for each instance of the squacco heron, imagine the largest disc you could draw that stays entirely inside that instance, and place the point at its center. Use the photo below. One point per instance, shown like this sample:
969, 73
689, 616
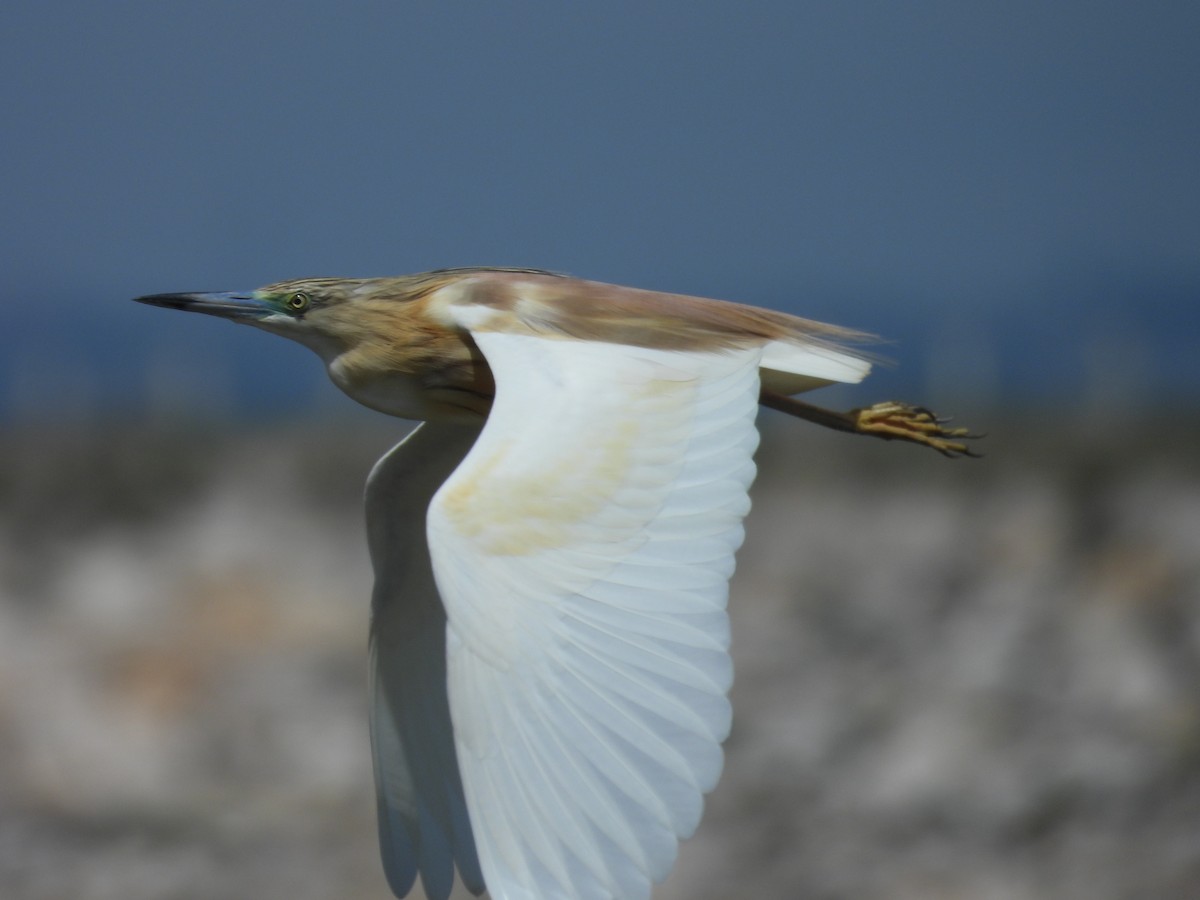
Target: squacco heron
552, 551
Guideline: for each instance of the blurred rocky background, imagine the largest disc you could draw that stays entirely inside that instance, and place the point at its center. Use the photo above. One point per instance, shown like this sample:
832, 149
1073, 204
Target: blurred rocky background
968, 679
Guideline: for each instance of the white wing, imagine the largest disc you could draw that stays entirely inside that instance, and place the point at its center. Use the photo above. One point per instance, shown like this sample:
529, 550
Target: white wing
423, 824
583, 551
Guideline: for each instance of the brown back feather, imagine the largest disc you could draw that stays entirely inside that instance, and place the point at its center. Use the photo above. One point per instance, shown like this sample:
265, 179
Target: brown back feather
592, 310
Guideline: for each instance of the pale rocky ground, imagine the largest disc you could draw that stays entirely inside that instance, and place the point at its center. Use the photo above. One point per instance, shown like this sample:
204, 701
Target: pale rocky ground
971, 679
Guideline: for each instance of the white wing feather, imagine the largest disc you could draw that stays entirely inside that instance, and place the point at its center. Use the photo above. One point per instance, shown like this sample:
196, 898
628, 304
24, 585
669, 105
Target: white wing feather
423, 822
583, 551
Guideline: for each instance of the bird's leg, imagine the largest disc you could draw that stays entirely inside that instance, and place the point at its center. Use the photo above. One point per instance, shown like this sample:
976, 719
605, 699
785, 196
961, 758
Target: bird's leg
888, 420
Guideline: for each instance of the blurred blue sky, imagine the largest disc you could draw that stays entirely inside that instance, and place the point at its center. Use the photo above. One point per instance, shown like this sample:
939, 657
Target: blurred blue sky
1010, 189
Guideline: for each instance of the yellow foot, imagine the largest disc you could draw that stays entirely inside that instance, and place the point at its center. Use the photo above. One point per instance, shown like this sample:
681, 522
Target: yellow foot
901, 422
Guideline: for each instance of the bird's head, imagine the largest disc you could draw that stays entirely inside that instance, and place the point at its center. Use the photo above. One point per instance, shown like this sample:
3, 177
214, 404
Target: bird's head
378, 340
329, 315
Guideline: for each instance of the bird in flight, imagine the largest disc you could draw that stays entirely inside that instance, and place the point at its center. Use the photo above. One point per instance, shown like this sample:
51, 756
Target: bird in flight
552, 548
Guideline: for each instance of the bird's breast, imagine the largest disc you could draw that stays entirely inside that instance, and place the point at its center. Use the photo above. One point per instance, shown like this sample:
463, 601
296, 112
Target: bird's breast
409, 396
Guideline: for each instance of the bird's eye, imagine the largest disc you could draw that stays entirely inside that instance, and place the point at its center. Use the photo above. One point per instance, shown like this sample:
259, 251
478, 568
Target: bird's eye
298, 302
